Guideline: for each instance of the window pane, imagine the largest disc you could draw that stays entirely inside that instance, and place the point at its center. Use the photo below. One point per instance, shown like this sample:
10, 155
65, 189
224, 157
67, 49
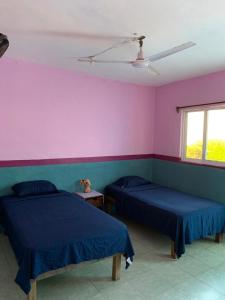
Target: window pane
215, 146
195, 125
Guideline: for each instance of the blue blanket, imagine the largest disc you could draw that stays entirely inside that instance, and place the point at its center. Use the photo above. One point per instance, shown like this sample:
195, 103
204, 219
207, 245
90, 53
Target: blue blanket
182, 217
48, 232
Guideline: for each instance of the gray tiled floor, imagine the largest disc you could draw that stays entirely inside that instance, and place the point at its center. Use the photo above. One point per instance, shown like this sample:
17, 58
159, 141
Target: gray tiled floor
199, 274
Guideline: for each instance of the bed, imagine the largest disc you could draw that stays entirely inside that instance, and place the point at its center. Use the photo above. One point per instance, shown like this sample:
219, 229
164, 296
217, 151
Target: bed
53, 232
180, 216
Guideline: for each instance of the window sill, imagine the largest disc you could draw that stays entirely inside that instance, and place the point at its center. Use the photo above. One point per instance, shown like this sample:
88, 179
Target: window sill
205, 163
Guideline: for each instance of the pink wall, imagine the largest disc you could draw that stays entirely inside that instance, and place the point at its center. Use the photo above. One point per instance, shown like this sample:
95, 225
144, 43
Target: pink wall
210, 88
52, 113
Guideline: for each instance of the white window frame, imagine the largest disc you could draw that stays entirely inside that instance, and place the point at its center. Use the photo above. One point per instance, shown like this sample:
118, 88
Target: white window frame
183, 140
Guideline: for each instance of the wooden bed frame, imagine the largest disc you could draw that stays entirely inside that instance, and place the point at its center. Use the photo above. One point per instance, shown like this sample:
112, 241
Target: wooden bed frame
116, 265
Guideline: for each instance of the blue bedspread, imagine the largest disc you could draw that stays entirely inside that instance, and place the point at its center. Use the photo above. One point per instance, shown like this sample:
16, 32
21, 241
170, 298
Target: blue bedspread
48, 232
182, 217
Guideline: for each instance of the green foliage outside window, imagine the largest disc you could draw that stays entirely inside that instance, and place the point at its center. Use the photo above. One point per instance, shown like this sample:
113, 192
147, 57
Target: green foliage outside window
215, 150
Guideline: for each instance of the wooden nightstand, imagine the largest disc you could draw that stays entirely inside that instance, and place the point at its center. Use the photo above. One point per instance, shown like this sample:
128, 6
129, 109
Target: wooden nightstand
94, 197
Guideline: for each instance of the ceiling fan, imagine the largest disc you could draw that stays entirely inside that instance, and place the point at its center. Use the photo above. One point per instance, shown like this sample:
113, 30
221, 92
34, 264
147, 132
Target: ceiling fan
140, 61
4, 44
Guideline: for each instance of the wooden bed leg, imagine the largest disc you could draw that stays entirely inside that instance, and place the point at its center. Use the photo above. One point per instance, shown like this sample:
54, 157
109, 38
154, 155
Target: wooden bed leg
33, 292
173, 252
219, 237
116, 267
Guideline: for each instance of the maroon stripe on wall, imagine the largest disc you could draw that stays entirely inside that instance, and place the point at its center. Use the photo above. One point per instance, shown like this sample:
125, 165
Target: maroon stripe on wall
178, 160
166, 157
72, 160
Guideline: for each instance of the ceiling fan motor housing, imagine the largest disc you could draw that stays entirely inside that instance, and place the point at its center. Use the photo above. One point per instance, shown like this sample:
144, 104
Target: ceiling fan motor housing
140, 63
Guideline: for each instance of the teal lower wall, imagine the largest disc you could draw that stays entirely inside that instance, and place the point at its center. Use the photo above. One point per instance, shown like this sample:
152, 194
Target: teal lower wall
197, 180
67, 176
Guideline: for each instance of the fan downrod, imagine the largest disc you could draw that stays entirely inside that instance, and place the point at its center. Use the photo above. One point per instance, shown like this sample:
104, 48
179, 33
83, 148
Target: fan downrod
140, 39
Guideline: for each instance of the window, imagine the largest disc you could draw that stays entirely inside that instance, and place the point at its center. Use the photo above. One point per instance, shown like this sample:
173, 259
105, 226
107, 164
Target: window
203, 137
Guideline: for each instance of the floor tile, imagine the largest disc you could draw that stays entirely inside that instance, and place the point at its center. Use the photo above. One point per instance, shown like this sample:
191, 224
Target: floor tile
124, 291
191, 290
10, 291
214, 278
209, 257
150, 284
66, 288
193, 265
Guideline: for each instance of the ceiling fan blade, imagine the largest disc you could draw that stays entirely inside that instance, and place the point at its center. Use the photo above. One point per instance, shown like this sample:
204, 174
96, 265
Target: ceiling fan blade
104, 61
170, 51
153, 70
116, 45
69, 34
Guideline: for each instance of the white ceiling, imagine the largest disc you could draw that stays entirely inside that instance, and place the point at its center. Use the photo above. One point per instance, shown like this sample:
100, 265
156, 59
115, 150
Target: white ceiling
52, 31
